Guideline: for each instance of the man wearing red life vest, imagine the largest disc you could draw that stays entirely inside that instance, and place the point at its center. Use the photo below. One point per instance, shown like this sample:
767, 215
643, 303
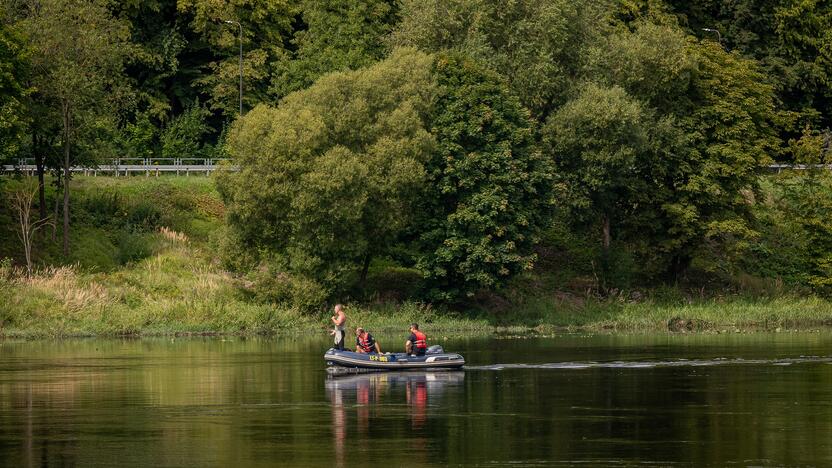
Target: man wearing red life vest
365, 343
417, 342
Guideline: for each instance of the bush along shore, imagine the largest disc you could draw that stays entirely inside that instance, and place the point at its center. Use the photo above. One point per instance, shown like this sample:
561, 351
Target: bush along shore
145, 262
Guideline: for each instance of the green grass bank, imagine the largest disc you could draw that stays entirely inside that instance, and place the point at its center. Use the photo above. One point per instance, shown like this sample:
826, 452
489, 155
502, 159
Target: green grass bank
144, 262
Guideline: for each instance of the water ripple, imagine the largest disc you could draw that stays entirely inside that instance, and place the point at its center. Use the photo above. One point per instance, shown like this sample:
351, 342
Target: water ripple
655, 364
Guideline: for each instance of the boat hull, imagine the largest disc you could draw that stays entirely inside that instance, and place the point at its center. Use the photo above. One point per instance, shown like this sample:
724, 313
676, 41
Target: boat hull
392, 361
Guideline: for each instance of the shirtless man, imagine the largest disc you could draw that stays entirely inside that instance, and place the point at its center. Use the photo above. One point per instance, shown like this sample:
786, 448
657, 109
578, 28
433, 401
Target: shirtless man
340, 322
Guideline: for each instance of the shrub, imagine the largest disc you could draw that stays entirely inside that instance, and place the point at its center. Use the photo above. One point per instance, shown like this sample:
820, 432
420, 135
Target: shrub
183, 135
132, 247
270, 282
144, 216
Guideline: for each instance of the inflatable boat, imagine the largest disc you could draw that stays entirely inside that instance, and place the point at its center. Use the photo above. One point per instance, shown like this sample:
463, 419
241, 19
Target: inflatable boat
434, 359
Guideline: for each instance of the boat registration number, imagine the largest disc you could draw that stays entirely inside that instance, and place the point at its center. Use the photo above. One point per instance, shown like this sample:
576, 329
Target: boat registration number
378, 358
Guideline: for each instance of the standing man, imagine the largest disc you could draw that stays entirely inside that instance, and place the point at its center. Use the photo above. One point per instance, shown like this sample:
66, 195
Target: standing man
417, 343
365, 343
340, 322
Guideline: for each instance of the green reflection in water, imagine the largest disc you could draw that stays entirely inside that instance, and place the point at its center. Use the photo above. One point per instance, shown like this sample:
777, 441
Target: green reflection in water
746, 399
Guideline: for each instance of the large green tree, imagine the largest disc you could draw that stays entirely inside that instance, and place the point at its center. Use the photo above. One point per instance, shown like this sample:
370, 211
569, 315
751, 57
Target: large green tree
791, 40
267, 30
13, 92
537, 45
669, 159
731, 122
329, 178
77, 51
334, 35
488, 190
608, 146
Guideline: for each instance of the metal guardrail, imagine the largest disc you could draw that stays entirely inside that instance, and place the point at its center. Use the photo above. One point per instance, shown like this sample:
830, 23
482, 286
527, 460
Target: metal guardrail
798, 167
126, 166
155, 166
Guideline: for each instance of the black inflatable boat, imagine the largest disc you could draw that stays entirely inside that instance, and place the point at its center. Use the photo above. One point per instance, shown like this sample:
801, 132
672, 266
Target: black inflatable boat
435, 358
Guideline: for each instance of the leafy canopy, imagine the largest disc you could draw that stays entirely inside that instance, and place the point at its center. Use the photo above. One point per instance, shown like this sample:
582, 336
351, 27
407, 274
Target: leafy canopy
536, 45
488, 190
335, 36
330, 176
13, 92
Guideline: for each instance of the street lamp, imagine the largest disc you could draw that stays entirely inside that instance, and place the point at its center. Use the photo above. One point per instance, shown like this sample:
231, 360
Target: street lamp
241, 61
718, 35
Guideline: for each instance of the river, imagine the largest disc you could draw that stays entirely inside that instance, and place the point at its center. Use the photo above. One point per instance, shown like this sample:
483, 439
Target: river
758, 399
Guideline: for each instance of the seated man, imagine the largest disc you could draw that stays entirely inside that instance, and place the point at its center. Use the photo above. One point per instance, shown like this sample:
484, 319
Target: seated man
417, 343
365, 343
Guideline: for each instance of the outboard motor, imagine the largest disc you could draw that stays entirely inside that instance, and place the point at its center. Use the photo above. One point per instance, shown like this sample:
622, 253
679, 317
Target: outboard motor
435, 349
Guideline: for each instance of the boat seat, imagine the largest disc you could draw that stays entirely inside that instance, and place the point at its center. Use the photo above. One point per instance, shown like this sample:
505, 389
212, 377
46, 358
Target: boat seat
435, 349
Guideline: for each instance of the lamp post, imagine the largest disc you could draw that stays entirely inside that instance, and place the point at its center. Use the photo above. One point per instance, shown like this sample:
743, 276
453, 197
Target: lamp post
718, 35
241, 61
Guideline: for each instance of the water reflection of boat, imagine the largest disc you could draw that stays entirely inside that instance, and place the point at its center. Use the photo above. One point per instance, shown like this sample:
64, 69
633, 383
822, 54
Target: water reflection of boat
435, 359
366, 397
434, 381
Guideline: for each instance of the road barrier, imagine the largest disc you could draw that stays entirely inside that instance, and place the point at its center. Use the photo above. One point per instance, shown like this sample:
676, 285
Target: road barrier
127, 166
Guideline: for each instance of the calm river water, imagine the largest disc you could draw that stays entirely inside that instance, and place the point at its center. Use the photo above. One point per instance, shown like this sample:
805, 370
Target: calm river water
762, 399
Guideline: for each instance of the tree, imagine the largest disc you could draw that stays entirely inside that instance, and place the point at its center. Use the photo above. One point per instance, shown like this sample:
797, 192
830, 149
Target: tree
805, 203
21, 201
335, 36
329, 178
183, 135
792, 42
13, 92
650, 60
606, 144
77, 50
731, 121
267, 30
537, 45
708, 118
488, 187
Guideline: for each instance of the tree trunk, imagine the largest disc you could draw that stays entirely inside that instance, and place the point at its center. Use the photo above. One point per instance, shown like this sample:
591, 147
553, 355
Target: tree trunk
66, 199
605, 254
24, 217
66, 145
37, 146
57, 204
365, 268
678, 266
606, 229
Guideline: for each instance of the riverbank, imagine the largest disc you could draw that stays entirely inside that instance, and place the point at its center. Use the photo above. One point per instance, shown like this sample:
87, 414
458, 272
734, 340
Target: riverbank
178, 291
145, 263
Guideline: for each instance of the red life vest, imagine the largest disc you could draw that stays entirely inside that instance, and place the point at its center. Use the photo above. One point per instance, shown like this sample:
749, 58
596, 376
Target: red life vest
421, 340
367, 343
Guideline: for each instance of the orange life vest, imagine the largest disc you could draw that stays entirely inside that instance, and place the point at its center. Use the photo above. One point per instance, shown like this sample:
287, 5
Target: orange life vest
367, 343
421, 340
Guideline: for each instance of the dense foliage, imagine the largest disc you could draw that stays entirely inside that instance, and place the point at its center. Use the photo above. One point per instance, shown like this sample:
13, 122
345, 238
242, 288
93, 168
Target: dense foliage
329, 178
489, 189
446, 139
12, 94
